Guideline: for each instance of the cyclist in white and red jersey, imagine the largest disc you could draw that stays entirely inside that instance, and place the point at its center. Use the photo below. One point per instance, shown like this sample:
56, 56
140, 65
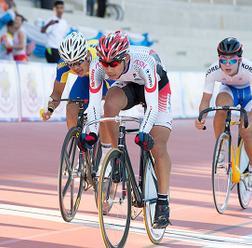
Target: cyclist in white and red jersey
235, 75
140, 78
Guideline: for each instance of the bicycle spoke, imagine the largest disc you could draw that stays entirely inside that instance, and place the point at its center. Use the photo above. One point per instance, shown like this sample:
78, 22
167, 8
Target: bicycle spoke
70, 181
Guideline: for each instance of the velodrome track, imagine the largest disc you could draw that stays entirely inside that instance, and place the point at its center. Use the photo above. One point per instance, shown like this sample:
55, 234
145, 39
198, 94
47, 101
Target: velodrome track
29, 215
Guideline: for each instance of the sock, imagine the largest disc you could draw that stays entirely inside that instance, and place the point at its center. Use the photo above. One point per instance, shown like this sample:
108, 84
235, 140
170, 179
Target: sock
250, 168
162, 199
105, 150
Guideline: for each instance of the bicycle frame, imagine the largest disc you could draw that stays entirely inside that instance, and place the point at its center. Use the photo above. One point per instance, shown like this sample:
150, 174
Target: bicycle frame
137, 188
236, 175
231, 156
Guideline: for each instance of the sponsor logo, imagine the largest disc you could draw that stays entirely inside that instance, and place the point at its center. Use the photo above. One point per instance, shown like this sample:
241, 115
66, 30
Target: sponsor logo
153, 87
140, 63
247, 67
147, 71
60, 65
212, 69
169, 100
92, 78
150, 81
147, 118
134, 75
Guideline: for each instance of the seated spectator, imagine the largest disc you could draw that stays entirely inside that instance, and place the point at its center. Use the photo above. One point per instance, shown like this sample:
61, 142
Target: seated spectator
6, 41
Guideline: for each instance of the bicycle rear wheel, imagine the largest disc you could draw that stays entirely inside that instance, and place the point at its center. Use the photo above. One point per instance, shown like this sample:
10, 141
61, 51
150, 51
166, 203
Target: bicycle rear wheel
243, 194
114, 11
221, 173
114, 203
70, 180
150, 191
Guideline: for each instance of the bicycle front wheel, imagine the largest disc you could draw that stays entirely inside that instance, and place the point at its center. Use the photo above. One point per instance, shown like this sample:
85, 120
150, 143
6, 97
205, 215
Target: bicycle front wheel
69, 176
150, 190
243, 194
114, 202
221, 173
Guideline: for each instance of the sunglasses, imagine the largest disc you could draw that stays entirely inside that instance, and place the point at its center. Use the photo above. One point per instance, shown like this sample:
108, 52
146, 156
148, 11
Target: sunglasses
230, 61
111, 64
76, 63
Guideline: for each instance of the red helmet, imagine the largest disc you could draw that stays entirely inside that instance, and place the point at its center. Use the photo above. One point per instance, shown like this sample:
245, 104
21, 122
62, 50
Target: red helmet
114, 46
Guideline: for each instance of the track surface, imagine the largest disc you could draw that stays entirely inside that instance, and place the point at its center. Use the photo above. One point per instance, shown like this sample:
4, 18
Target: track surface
29, 215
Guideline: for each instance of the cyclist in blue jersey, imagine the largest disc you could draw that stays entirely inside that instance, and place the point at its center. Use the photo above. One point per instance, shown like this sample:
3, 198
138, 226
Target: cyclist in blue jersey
235, 75
76, 54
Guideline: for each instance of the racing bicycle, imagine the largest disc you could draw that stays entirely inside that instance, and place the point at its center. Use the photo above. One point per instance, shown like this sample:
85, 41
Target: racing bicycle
124, 196
228, 169
77, 169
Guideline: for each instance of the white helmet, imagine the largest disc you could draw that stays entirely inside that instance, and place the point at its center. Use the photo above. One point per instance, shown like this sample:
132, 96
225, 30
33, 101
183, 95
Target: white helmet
74, 47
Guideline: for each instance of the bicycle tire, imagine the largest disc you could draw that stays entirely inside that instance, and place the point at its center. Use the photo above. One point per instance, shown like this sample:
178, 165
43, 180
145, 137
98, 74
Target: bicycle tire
70, 182
114, 218
221, 174
243, 194
150, 192
114, 11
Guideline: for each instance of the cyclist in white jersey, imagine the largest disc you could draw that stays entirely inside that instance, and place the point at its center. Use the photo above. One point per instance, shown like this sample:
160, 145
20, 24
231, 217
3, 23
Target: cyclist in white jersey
235, 74
140, 78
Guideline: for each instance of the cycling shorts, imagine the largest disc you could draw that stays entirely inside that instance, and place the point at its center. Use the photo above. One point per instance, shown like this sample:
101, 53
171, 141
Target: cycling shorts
239, 96
135, 94
80, 88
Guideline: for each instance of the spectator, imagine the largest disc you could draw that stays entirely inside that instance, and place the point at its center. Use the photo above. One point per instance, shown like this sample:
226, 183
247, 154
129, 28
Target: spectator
90, 7
55, 29
101, 8
7, 39
7, 14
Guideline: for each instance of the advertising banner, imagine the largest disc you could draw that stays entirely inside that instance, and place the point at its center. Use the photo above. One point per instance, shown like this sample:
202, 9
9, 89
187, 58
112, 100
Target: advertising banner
31, 90
9, 92
26, 87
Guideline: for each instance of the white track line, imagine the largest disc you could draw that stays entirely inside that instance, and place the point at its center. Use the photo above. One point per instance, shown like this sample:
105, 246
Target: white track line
172, 234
